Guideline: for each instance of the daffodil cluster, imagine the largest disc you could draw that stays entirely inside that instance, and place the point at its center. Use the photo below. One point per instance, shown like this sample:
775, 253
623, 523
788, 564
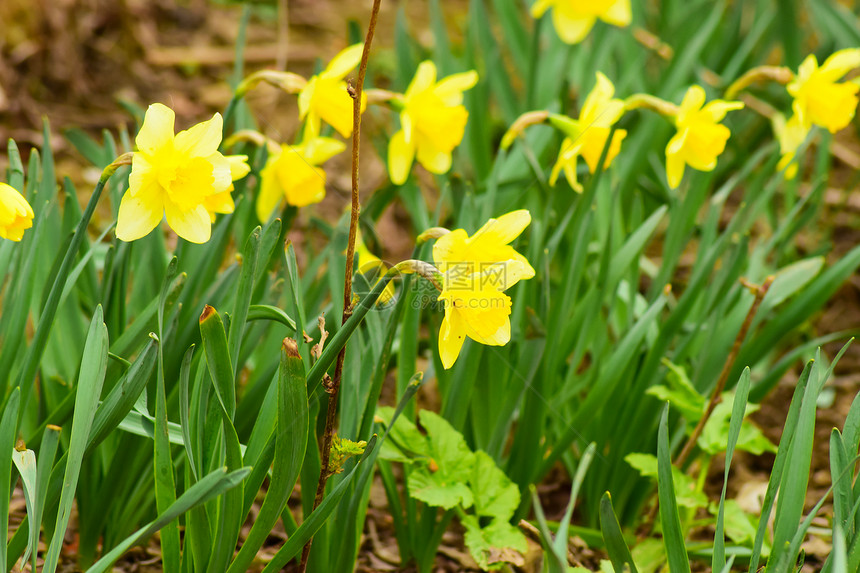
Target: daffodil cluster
698, 142
821, 97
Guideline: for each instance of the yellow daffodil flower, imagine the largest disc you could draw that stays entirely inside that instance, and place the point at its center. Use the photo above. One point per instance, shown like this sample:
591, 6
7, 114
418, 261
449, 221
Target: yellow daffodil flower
173, 176
16, 215
599, 113
475, 272
819, 98
292, 175
324, 97
574, 19
476, 307
700, 138
223, 202
790, 135
373, 268
432, 122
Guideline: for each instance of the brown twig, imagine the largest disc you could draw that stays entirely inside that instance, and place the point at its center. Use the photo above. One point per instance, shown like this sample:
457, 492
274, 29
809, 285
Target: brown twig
355, 93
759, 292
715, 399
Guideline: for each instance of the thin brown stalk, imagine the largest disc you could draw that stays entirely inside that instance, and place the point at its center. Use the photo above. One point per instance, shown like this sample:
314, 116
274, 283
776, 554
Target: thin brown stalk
715, 399
759, 291
334, 387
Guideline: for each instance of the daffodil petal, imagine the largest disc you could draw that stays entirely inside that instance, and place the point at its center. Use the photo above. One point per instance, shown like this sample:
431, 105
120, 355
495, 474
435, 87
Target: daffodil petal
433, 159
540, 7
238, 166
400, 157
503, 230
425, 77
201, 140
193, 225
343, 63
321, 149
305, 96
449, 250
674, 161
452, 335
840, 63
571, 29
718, 108
270, 194
157, 129
693, 100
619, 14
450, 90
139, 214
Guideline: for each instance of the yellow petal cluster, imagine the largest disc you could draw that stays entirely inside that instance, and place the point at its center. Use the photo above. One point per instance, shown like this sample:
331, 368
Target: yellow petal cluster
819, 98
16, 215
476, 271
599, 113
325, 96
432, 122
223, 202
574, 19
174, 176
790, 135
292, 175
700, 138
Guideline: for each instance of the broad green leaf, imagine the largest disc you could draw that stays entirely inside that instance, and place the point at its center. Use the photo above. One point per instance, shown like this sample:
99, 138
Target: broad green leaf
495, 495
495, 544
685, 486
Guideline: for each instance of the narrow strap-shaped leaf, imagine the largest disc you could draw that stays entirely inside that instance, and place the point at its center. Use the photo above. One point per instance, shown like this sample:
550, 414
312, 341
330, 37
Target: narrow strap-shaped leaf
616, 547
210, 486
561, 537
673, 535
290, 444
185, 409
165, 485
779, 464
243, 295
317, 518
47, 454
218, 358
718, 561
843, 496
8, 429
25, 461
90, 380
268, 312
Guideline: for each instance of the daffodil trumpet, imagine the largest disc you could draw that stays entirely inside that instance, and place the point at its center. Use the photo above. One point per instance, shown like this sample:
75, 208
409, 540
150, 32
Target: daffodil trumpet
779, 74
